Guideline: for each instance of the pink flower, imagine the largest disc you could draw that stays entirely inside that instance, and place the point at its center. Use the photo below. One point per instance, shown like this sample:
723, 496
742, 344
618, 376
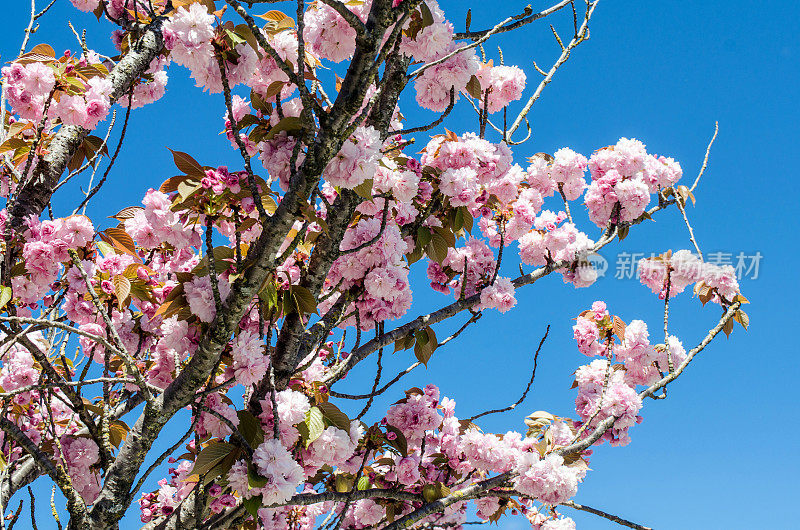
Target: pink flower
407, 470
200, 296
275, 463
85, 5
499, 296
76, 231
249, 359
71, 110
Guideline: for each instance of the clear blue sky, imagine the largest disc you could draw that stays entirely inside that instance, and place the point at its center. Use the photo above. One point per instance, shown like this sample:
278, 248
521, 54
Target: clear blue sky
721, 451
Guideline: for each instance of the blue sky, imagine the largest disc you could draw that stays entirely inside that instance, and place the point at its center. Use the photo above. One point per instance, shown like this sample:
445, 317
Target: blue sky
721, 451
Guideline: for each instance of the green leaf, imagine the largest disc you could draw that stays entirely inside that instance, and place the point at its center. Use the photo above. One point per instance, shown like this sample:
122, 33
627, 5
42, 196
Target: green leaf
210, 457
273, 16
304, 300
122, 289
343, 483
363, 483
423, 236
728, 327
126, 213
468, 220
254, 480
244, 31
315, 424
427, 16
119, 240
740, 317
400, 443
188, 187
252, 505
364, 190
334, 416
5, 296
404, 343
118, 432
437, 247
235, 38
426, 345
274, 89
290, 124
187, 164
250, 427
432, 492
269, 295
269, 204
474, 87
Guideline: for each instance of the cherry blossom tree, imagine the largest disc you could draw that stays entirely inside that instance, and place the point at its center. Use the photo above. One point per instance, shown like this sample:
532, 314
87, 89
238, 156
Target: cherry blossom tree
245, 294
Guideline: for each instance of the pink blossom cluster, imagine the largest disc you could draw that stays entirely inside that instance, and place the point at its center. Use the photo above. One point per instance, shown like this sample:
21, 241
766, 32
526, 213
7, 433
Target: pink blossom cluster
157, 224
32, 86
178, 340
81, 454
474, 263
300, 517
499, 295
470, 165
200, 295
434, 85
566, 170
334, 447
587, 331
46, 247
602, 393
606, 390
547, 479
250, 362
328, 34
277, 465
625, 174
553, 240
85, 5
292, 409
430, 42
356, 161
211, 424
416, 415
28, 88
502, 84
645, 364
19, 369
267, 71
402, 182
276, 154
378, 267
684, 268
433, 43
151, 87
188, 34
170, 492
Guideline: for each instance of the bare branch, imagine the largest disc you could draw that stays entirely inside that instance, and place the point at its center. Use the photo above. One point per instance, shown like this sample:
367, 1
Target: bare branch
525, 18
527, 388
35, 195
705, 160
582, 35
610, 517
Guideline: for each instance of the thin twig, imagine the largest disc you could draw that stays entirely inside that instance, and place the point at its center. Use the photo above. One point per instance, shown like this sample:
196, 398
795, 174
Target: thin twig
610, 517
705, 160
527, 388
